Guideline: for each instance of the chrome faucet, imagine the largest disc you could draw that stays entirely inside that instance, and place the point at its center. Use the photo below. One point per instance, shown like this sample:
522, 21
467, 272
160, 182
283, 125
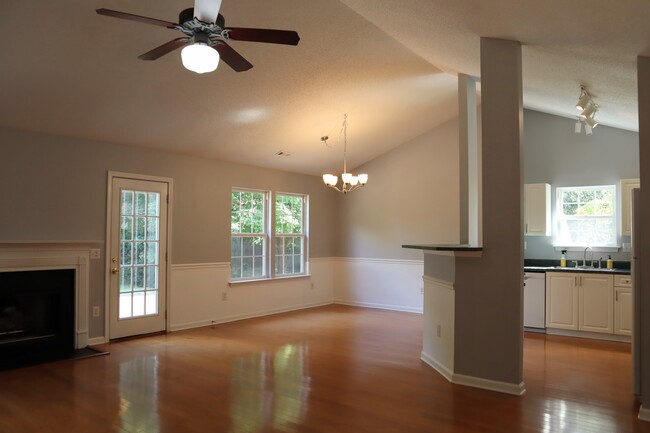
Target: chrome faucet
584, 257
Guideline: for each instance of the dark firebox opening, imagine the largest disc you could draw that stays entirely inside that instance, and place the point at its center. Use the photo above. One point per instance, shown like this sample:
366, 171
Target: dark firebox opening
37, 314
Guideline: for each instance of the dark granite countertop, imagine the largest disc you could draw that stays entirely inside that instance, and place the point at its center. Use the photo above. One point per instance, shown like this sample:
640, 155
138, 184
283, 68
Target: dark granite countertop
549, 265
581, 270
443, 247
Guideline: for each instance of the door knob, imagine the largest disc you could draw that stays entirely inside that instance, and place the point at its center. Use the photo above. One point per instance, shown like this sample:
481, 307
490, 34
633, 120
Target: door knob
115, 270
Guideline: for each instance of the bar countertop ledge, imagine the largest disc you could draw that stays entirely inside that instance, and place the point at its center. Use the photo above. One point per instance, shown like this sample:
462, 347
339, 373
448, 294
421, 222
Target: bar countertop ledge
447, 249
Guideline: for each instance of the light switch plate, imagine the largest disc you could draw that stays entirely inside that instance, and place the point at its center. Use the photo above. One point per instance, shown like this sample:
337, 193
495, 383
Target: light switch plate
95, 253
627, 247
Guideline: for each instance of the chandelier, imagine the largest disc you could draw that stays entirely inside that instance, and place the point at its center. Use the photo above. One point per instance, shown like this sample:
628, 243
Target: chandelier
348, 180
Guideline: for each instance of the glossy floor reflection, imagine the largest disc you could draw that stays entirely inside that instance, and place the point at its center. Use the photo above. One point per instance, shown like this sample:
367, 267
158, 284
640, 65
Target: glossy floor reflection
329, 369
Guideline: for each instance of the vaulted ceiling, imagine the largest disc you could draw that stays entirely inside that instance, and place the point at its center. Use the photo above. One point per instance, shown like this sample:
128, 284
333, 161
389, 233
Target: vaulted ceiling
391, 65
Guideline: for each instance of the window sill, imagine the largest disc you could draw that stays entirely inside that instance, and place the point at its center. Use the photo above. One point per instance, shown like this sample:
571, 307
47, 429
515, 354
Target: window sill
232, 283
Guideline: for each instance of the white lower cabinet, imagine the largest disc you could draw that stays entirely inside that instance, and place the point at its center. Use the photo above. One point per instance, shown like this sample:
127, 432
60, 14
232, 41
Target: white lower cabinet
580, 301
623, 305
561, 301
596, 303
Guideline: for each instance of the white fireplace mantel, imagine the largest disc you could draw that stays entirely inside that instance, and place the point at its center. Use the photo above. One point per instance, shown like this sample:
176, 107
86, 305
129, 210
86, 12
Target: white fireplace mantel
29, 256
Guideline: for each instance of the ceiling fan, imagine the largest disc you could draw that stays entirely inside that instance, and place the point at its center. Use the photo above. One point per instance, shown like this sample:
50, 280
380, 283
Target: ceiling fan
205, 35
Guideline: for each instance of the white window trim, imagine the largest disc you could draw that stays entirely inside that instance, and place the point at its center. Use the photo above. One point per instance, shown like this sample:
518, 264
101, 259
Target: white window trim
270, 236
558, 209
304, 235
266, 235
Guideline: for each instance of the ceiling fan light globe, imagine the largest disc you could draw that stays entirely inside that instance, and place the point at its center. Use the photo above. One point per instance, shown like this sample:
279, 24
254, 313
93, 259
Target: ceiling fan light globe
200, 58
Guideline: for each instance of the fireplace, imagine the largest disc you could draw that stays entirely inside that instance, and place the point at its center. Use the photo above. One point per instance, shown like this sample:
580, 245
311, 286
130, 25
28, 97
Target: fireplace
72, 259
37, 315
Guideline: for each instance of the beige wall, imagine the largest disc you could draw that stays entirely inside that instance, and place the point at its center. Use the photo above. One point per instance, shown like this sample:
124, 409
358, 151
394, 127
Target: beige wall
54, 188
411, 198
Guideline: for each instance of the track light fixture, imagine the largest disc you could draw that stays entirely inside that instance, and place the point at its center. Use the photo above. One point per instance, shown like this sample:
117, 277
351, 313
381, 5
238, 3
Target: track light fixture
588, 110
583, 99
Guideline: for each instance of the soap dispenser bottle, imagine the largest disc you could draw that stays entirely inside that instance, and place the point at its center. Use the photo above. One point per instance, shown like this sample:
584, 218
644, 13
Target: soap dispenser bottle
610, 263
563, 259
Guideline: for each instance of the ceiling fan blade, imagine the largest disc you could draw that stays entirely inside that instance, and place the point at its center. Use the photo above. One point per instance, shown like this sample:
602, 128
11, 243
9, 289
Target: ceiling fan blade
286, 37
232, 57
138, 18
207, 10
164, 49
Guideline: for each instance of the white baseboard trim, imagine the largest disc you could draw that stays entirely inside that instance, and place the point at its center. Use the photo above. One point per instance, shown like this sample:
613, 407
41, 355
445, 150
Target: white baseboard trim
491, 385
234, 318
378, 306
590, 335
644, 414
96, 340
431, 362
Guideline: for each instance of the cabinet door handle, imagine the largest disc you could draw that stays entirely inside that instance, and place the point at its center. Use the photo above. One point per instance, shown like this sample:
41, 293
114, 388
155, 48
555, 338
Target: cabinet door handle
617, 296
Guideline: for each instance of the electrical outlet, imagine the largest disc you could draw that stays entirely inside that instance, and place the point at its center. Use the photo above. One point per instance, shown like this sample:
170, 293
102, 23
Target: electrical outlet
627, 247
95, 311
95, 253
439, 331
224, 296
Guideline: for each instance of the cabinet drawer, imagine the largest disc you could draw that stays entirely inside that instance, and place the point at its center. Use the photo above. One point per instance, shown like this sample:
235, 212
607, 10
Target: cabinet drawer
623, 280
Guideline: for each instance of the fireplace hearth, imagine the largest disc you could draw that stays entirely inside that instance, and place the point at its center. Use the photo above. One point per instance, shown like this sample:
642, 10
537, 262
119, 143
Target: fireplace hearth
37, 316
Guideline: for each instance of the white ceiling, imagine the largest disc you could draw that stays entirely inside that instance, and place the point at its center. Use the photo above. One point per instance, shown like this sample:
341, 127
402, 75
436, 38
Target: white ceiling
66, 70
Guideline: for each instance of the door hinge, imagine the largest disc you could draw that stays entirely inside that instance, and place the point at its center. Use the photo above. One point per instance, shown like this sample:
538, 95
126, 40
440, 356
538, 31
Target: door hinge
165, 255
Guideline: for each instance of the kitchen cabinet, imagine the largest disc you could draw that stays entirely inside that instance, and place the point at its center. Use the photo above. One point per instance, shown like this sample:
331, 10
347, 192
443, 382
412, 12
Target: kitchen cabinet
627, 185
596, 303
561, 301
537, 209
623, 305
580, 301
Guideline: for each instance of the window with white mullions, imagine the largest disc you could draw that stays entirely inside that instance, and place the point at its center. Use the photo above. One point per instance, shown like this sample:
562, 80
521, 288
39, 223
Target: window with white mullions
586, 216
139, 253
289, 234
249, 235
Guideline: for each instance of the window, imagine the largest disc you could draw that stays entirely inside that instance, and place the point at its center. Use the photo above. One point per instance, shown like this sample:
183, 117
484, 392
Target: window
248, 235
289, 235
254, 230
586, 216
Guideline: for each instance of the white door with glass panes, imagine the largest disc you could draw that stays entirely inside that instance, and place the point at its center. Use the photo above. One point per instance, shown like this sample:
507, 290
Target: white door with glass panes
138, 257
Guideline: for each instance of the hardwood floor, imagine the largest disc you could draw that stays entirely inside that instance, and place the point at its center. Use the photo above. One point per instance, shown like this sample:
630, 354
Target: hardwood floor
329, 369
